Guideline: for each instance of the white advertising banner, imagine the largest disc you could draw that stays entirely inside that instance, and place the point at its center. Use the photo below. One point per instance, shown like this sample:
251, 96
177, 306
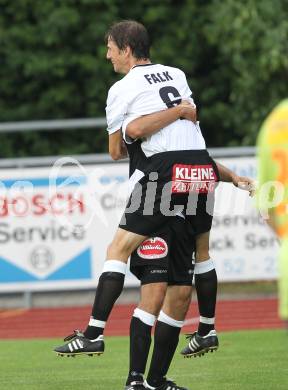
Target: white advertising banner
242, 245
56, 223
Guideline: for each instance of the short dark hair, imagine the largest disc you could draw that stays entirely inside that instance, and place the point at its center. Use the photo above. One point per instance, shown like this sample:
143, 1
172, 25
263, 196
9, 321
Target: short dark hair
130, 33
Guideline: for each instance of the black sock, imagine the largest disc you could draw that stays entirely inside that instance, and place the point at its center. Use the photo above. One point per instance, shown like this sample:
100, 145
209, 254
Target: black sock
109, 288
206, 289
165, 342
140, 341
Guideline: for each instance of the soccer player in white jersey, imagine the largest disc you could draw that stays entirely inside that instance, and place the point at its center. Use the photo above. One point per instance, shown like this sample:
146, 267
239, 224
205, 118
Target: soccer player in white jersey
172, 268
176, 154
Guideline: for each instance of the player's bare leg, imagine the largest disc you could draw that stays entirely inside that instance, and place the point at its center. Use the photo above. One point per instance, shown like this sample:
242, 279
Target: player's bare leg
123, 244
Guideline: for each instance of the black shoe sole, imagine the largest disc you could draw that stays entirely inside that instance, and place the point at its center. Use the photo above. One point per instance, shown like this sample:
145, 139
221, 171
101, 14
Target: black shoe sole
200, 353
62, 354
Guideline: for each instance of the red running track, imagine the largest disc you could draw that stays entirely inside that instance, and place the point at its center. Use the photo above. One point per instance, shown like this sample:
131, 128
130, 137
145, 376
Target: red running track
59, 322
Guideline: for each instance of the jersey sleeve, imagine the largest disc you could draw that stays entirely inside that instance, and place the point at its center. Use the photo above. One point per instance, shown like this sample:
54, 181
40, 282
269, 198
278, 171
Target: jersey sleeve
125, 123
116, 108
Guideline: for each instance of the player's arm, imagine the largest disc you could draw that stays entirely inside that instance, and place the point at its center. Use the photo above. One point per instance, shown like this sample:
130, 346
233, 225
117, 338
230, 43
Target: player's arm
117, 148
116, 108
150, 124
242, 182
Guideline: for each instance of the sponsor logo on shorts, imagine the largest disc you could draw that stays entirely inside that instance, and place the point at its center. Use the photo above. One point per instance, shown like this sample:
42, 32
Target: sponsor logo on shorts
153, 248
193, 178
158, 271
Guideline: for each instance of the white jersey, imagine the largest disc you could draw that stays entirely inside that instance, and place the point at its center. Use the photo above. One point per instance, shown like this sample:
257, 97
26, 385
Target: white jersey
147, 89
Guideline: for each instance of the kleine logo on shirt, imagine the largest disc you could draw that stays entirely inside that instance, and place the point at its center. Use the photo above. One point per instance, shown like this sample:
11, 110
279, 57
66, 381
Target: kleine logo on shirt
193, 178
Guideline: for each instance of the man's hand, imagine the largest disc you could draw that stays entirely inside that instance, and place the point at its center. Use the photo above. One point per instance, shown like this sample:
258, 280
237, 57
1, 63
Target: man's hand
188, 111
244, 183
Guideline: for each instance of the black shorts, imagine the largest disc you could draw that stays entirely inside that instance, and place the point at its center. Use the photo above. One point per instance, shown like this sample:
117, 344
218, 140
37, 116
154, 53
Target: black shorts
185, 179
167, 256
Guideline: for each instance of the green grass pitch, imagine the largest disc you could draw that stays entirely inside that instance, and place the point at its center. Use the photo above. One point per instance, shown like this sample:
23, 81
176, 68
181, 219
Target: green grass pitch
252, 360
